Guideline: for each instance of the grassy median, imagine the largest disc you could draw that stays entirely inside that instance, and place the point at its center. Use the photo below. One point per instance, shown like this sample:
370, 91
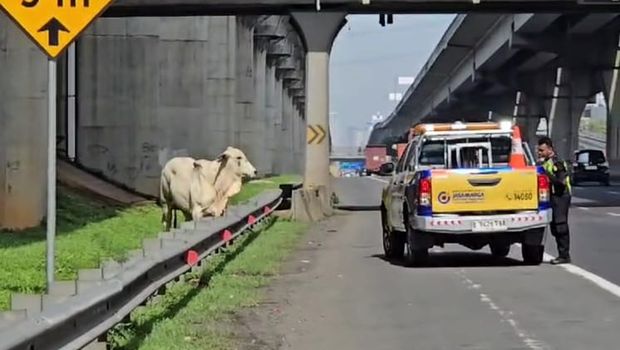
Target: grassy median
88, 231
191, 316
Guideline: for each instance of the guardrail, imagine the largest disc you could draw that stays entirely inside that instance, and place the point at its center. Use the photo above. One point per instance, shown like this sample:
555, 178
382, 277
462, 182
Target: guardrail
104, 297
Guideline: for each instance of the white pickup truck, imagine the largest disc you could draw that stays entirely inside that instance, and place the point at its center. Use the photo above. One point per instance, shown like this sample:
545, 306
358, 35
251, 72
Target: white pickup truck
455, 184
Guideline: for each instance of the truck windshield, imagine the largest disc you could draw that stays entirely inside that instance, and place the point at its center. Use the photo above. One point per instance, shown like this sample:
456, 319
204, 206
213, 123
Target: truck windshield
435, 151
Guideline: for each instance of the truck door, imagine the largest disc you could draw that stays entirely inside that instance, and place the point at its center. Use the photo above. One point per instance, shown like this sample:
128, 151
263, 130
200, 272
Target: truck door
398, 188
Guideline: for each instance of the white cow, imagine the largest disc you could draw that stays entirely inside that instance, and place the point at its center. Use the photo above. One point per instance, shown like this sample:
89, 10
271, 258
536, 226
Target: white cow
185, 185
227, 173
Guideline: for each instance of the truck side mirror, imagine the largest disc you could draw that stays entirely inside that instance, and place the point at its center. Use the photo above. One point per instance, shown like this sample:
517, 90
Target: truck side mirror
387, 168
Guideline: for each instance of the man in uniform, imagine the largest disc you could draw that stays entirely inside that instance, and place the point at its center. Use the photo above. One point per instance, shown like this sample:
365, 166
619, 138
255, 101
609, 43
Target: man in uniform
557, 171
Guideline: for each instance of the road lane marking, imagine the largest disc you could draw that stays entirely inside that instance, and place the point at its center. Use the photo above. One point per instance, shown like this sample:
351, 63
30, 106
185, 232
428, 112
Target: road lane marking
576, 270
613, 214
613, 192
583, 208
506, 316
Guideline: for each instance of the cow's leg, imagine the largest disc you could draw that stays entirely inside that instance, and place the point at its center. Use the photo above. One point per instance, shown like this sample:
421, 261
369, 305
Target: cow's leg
196, 215
165, 216
176, 225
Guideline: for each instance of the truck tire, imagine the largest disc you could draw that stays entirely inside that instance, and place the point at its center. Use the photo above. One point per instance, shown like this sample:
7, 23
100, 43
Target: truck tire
415, 257
532, 254
499, 250
393, 242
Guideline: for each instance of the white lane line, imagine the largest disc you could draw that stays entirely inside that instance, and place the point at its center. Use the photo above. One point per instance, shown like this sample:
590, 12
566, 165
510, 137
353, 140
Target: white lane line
583, 208
613, 192
576, 270
613, 214
506, 316
378, 179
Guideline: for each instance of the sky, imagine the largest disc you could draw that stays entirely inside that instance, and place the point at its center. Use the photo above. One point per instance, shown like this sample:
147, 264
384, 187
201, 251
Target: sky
367, 60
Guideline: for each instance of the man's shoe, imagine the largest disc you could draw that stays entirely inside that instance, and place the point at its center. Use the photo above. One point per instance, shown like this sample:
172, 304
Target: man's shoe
558, 261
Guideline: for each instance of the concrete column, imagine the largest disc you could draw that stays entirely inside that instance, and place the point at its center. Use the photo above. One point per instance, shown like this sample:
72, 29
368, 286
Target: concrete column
270, 120
279, 127
286, 136
243, 129
612, 96
259, 156
23, 129
319, 31
567, 105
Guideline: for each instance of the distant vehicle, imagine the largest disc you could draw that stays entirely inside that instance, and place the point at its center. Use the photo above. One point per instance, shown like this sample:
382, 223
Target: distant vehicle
375, 156
456, 183
590, 165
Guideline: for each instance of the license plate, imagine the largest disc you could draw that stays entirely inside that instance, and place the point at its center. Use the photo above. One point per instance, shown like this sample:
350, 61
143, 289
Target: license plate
489, 225
591, 167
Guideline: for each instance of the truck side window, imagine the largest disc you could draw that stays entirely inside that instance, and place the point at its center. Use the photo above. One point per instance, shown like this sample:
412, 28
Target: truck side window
410, 162
401, 161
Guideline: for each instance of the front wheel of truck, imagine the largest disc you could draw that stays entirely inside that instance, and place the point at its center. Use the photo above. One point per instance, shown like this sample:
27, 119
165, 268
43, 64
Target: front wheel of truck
532, 254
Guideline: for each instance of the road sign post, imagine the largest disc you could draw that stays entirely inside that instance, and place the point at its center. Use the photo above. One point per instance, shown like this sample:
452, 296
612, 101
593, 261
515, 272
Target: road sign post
51, 170
53, 25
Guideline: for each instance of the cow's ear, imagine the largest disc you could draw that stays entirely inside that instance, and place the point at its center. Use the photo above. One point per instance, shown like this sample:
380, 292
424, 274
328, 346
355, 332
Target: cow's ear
223, 157
197, 165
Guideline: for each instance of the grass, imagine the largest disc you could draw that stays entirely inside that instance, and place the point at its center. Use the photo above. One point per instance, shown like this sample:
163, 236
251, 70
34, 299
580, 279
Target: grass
190, 316
88, 231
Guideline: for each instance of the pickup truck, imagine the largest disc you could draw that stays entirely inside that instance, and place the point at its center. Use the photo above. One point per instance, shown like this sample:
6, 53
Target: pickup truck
455, 184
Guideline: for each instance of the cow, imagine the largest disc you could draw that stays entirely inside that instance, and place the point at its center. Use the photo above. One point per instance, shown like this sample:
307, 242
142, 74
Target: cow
186, 185
227, 173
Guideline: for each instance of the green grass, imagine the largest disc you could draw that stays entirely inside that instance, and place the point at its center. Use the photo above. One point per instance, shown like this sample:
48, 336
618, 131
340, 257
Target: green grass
88, 231
191, 316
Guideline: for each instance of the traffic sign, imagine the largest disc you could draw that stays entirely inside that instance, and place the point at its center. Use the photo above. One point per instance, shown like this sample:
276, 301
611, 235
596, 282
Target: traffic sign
54, 24
315, 134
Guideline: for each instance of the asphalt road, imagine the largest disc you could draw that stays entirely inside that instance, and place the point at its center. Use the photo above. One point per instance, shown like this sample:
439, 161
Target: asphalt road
341, 294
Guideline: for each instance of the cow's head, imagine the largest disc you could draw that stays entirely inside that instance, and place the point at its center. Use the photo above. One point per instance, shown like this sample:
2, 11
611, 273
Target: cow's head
237, 162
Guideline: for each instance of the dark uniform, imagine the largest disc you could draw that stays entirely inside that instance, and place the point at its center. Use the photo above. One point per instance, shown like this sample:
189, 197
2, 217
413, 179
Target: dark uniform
557, 171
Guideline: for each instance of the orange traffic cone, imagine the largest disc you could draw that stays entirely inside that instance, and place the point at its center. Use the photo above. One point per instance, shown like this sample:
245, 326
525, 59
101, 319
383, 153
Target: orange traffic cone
517, 155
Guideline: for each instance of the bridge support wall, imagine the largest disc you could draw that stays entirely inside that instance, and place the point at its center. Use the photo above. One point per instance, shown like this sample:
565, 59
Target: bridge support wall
23, 130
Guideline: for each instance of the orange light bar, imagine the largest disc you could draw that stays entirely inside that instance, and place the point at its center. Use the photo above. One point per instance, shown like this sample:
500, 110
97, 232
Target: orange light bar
423, 128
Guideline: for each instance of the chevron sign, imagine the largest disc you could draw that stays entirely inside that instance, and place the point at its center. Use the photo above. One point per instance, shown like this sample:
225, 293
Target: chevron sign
316, 134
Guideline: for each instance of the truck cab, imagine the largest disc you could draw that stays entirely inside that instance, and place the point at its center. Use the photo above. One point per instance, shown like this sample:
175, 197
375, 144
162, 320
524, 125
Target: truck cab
458, 183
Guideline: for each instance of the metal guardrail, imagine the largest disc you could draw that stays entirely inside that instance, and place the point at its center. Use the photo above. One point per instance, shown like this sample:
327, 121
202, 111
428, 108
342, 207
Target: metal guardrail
76, 321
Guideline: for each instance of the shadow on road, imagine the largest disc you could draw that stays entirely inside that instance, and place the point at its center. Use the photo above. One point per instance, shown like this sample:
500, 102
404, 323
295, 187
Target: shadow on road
457, 259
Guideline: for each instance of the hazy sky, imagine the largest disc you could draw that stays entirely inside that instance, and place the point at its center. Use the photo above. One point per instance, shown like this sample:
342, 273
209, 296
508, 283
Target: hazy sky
367, 60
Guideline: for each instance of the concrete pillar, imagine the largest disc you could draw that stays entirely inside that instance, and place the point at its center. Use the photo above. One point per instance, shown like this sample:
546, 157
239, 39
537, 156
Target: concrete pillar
270, 119
279, 100
243, 129
221, 68
319, 31
567, 105
259, 155
611, 89
23, 129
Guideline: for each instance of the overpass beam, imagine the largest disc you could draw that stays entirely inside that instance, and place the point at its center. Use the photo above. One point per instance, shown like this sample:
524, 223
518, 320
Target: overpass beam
319, 31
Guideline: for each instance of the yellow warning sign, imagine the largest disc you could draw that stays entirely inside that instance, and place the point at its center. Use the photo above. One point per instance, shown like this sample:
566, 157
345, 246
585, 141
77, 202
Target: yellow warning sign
54, 24
315, 134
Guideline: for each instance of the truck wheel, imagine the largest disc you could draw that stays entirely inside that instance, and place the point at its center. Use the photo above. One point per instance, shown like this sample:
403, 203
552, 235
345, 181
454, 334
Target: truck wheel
415, 257
393, 242
499, 250
532, 254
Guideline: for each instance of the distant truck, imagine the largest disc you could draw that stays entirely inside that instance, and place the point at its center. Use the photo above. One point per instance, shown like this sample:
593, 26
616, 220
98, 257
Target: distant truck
376, 155
461, 183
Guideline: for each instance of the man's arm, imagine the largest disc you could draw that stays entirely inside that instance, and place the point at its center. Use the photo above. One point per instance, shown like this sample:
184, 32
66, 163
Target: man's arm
559, 178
